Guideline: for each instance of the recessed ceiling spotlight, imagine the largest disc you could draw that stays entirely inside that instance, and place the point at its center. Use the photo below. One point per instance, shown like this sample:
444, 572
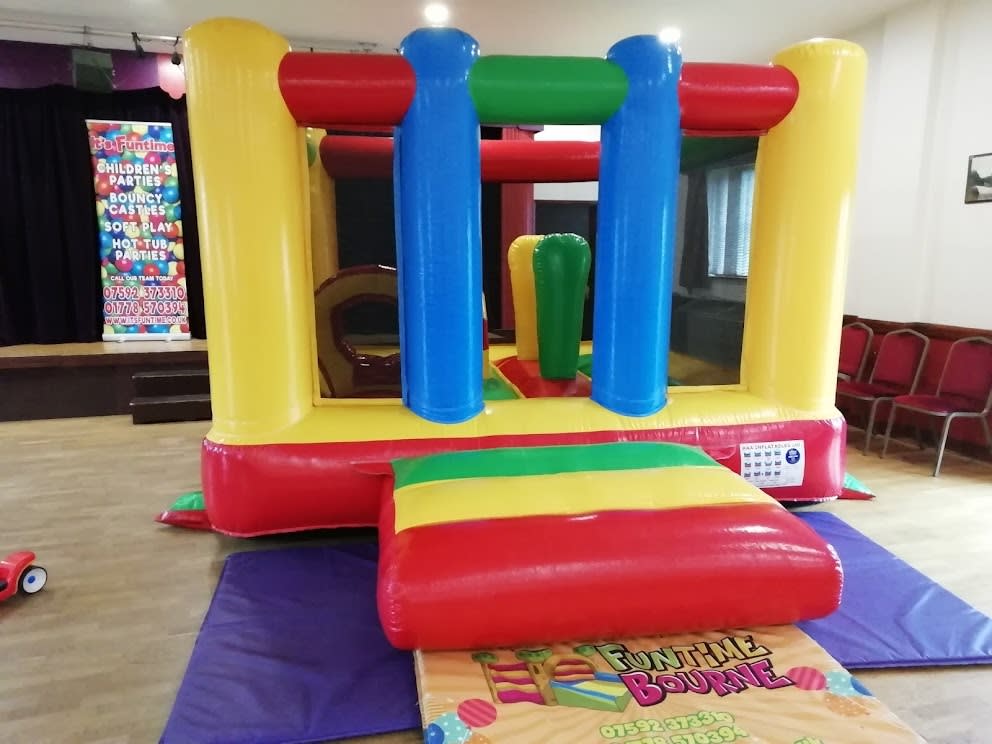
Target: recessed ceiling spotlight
437, 14
670, 35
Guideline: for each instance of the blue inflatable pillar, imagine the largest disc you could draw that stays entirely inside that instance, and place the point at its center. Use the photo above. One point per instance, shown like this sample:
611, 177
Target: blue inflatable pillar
635, 256
439, 235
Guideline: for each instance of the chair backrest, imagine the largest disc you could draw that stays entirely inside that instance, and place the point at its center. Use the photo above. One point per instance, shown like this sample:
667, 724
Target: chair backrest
968, 371
900, 359
855, 341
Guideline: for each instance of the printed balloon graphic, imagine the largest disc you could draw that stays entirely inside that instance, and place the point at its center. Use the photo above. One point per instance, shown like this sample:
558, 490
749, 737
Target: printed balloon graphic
807, 678
839, 683
477, 713
103, 187
846, 706
859, 687
453, 729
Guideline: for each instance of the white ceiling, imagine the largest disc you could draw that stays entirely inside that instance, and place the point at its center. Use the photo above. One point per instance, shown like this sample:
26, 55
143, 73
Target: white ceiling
712, 30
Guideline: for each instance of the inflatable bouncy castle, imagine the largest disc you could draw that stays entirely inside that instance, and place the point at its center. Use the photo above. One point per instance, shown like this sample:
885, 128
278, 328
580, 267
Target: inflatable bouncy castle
525, 480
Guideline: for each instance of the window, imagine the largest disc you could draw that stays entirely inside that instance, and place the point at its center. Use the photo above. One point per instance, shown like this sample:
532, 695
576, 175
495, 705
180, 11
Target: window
729, 194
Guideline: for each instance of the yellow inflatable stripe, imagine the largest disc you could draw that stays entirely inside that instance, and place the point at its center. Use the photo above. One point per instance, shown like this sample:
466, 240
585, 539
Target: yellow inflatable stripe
567, 494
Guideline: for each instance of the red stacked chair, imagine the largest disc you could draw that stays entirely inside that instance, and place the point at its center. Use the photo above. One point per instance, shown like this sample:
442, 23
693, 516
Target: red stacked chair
964, 392
855, 343
896, 372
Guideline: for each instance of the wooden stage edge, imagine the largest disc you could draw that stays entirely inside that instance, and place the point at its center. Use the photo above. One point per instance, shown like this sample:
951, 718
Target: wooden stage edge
100, 353
152, 380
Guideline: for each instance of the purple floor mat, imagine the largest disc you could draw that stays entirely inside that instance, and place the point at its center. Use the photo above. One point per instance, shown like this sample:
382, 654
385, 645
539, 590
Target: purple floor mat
291, 652
891, 615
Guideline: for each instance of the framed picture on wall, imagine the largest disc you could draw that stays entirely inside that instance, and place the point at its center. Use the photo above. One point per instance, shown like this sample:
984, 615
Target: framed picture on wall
979, 184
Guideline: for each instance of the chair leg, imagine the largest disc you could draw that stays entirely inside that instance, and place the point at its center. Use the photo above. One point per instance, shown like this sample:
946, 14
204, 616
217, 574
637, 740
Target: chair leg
942, 445
988, 432
888, 431
870, 427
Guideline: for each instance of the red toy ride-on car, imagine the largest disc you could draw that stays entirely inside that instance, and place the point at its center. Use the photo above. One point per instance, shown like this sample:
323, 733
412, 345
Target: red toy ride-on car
18, 574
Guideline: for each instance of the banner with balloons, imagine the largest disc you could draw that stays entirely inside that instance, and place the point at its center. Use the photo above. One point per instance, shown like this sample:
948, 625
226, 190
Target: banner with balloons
141, 235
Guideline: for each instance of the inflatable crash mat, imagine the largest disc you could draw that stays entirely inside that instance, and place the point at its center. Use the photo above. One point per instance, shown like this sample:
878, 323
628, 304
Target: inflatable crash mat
511, 546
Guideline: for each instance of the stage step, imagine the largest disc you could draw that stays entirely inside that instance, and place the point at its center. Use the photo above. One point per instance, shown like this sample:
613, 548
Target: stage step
166, 408
164, 382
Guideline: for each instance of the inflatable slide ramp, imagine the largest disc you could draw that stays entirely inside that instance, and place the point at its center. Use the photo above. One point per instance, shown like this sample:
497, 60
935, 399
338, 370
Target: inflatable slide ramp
512, 546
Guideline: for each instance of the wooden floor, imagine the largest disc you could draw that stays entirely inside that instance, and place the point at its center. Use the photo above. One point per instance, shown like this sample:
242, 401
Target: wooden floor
97, 657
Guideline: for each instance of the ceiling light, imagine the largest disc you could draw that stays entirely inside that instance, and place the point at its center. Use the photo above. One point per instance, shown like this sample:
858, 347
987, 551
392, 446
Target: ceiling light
670, 35
436, 13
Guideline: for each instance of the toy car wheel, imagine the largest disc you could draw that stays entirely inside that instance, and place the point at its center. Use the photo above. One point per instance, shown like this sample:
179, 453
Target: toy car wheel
33, 579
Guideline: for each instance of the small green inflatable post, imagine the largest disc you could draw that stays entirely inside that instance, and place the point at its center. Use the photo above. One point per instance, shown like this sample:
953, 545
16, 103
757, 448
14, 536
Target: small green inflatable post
561, 275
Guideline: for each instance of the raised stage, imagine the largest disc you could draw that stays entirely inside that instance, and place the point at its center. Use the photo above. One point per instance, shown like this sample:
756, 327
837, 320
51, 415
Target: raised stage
151, 380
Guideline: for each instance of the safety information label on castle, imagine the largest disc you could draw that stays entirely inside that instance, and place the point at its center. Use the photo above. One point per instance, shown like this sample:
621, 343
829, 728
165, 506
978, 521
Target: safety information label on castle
770, 464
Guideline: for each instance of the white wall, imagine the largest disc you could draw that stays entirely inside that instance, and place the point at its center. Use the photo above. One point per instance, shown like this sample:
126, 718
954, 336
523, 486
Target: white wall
568, 191
918, 253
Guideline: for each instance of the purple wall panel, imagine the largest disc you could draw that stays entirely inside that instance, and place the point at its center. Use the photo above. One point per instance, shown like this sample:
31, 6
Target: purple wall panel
29, 65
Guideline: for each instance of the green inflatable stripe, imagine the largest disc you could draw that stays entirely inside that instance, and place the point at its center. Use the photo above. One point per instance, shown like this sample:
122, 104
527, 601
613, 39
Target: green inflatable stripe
522, 461
546, 90
853, 484
496, 388
585, 365
192, 501
561, 274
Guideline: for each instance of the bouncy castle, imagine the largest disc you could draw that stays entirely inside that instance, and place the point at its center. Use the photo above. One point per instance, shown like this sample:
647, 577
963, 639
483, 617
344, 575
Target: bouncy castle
520, 479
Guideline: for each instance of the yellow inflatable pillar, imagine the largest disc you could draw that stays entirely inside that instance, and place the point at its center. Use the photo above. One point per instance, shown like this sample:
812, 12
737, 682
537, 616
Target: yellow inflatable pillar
521, 261
254, 228
487, 364
323, 214
800, 222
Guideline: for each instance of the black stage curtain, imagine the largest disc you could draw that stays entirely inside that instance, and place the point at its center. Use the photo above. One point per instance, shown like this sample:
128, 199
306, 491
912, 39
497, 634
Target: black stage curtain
49, 257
